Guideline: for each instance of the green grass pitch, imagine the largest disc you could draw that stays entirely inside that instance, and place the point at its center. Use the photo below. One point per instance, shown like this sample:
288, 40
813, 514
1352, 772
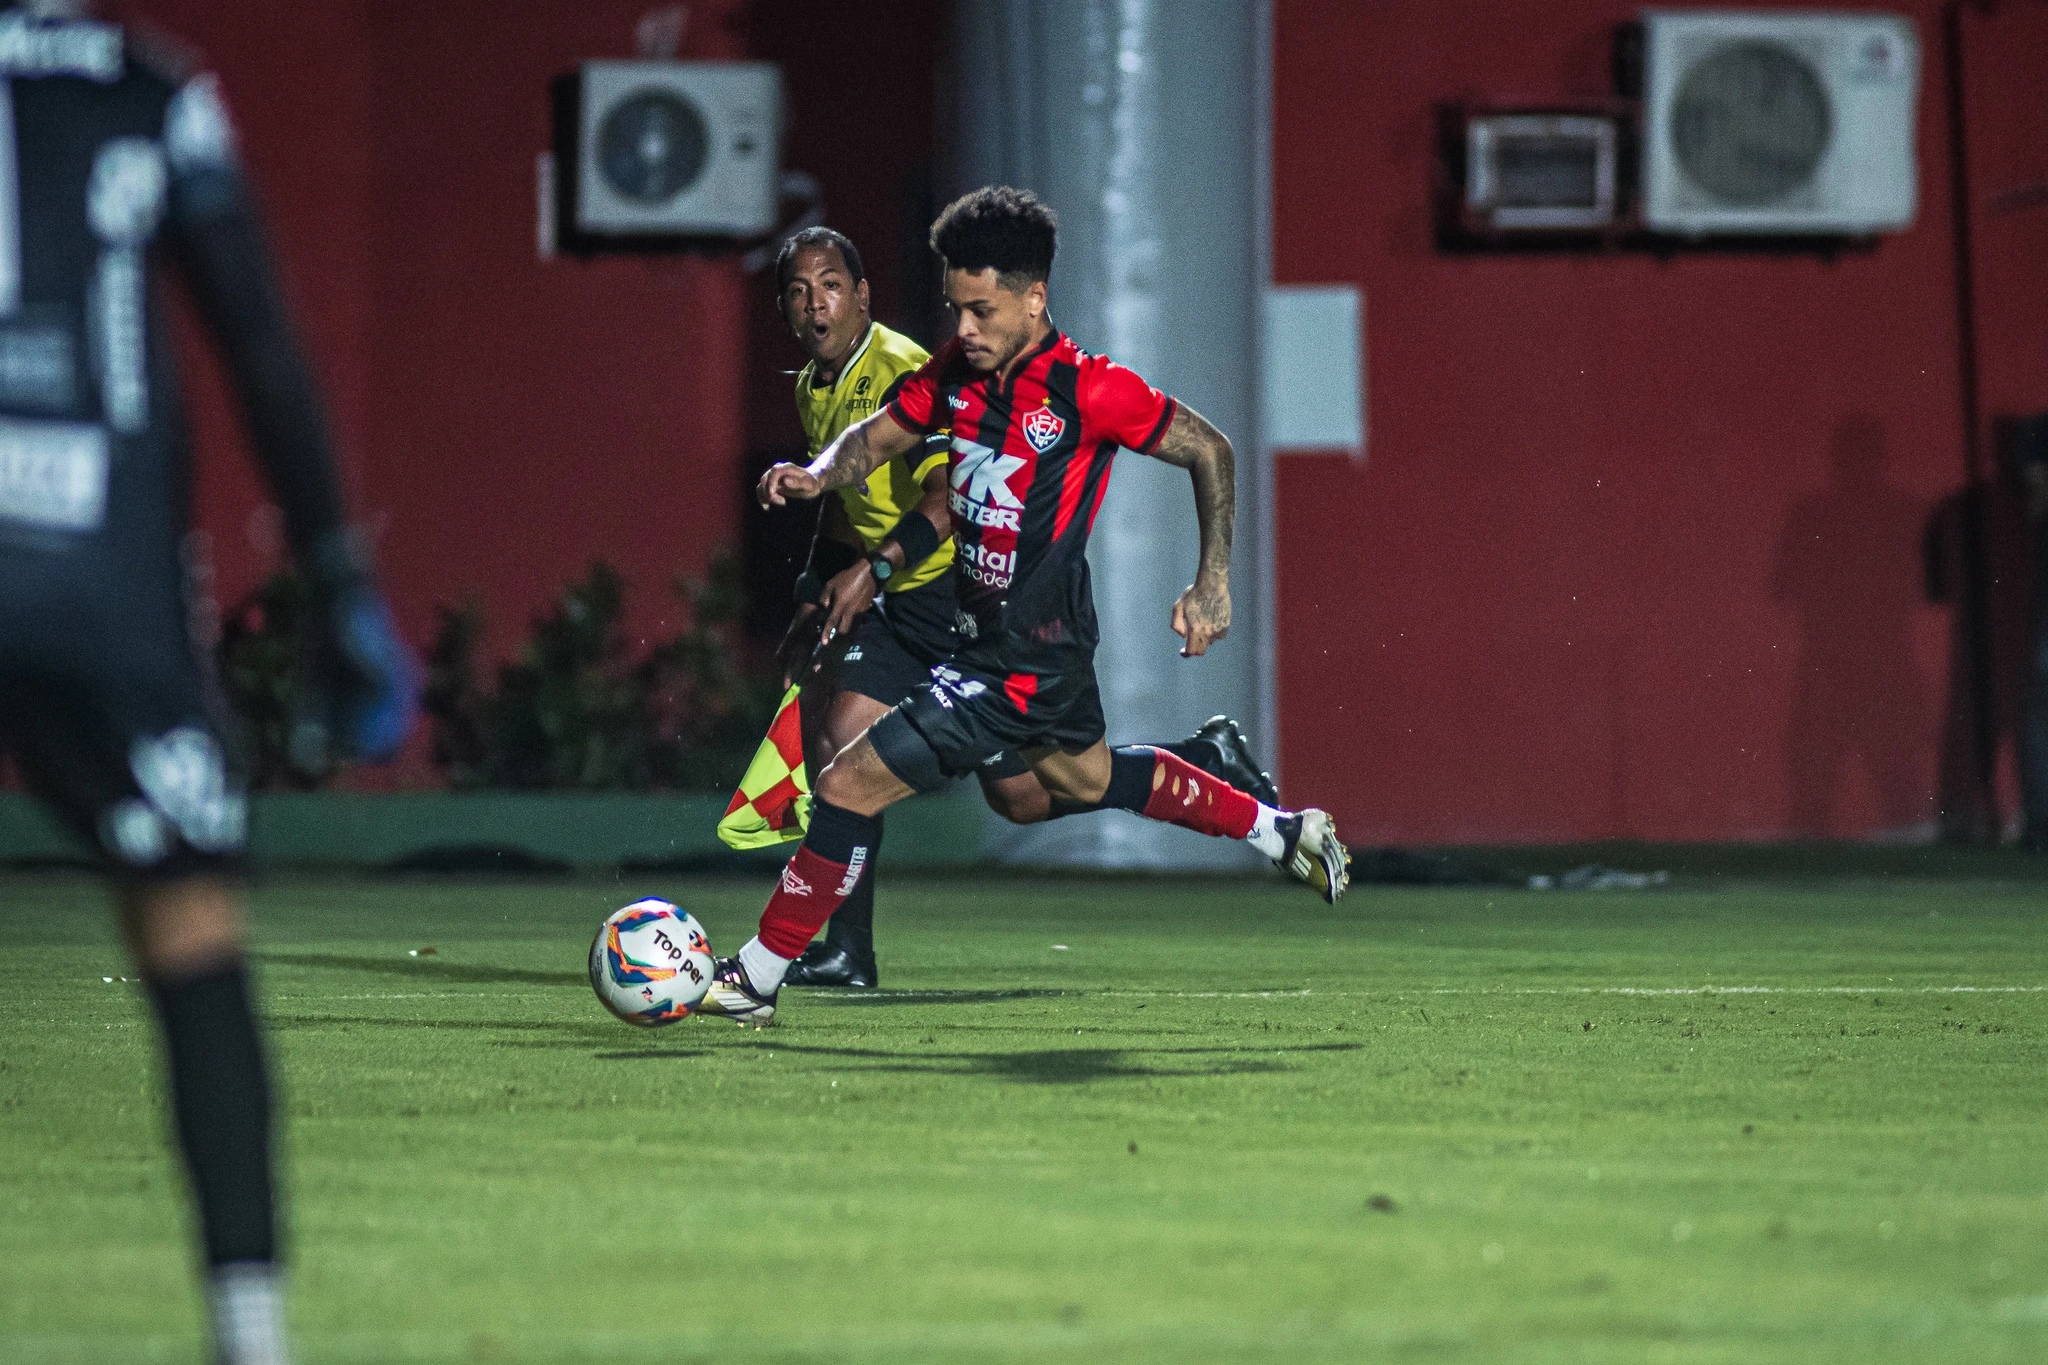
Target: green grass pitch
1117, 1119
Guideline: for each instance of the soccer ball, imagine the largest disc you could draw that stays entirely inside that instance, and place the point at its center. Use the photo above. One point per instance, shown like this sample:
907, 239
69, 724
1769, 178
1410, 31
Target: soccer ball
650, 963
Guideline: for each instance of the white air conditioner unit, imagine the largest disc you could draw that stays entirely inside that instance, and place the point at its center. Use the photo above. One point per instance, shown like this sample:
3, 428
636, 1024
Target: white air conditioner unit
1783, 122
687, 149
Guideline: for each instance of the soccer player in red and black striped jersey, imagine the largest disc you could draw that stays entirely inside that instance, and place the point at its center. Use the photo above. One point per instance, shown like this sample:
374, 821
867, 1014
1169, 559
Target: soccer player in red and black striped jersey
1035, 424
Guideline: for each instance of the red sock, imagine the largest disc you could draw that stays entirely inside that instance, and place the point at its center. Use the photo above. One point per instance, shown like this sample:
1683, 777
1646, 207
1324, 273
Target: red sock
1184, 795
812, 887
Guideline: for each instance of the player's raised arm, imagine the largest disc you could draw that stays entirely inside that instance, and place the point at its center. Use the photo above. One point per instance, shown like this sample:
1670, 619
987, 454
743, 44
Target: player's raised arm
858, 452
1202, 615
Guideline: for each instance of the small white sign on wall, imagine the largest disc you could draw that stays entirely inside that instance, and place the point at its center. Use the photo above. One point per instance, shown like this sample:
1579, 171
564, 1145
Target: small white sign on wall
1313, 387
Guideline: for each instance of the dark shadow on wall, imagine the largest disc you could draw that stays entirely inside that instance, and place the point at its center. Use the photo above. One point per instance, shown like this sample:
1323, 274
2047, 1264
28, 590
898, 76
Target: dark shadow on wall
1847, 565
1969, 802
869, 142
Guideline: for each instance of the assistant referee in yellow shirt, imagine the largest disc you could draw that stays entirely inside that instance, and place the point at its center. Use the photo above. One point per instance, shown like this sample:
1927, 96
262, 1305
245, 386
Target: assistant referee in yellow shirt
879, 581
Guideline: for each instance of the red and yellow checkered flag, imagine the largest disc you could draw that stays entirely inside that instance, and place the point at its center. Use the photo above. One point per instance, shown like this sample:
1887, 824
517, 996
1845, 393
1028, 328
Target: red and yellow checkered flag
773, 804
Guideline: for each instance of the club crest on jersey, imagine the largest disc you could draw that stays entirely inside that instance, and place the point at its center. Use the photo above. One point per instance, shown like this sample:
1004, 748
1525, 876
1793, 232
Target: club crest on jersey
1042, 428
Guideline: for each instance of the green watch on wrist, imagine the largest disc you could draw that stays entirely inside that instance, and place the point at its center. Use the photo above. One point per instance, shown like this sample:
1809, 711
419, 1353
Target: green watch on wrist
881, 566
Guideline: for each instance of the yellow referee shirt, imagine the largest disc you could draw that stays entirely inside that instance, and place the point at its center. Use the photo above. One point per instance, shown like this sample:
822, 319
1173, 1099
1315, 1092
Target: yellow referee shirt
872, 509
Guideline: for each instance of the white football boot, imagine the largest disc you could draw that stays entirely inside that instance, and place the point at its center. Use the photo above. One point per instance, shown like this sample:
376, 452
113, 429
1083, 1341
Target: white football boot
734, 996
1314, 854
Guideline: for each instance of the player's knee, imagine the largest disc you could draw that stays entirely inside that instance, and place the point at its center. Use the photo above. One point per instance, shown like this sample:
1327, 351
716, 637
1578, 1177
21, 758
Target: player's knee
1021, 801
858, 781
839, 786
181, 927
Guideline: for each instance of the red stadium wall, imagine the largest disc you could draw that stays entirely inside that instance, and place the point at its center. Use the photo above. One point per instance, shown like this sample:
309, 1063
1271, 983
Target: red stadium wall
505, 419
1636, 552
1636, 549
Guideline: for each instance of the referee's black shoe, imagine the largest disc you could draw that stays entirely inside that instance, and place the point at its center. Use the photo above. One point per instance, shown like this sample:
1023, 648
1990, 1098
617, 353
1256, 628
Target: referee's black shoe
826, 963
1219, 749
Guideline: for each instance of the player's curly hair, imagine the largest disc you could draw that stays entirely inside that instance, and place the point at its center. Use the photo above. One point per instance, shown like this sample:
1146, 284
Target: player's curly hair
998, 226
816, 239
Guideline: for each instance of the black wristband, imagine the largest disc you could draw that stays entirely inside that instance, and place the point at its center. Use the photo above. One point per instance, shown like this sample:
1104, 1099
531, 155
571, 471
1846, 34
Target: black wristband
918, 537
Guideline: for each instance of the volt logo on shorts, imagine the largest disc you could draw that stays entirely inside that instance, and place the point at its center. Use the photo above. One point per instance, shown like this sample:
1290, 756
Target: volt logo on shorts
981, 485
946, 679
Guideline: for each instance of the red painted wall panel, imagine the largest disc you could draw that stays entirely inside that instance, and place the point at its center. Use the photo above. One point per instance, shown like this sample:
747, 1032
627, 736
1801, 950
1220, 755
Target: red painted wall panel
1637, 549
505, 418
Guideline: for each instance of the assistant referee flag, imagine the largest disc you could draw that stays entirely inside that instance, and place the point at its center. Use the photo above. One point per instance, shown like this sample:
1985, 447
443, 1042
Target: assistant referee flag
773, 804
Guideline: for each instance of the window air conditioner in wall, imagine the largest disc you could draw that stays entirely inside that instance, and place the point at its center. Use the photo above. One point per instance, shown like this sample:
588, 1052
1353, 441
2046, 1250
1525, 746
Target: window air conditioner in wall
1792, 122
654, 151
1539, 171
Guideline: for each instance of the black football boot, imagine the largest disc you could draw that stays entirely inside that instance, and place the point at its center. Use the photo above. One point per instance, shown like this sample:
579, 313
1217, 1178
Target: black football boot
826, 963
1219, 749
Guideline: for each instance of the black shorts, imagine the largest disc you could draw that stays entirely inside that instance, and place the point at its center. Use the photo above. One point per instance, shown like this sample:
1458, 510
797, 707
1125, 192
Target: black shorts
896, 645
971, 714
125, 737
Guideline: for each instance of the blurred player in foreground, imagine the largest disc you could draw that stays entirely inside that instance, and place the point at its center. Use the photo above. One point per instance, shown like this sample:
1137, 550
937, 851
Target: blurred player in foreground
880, 582
116, 162
1034, 424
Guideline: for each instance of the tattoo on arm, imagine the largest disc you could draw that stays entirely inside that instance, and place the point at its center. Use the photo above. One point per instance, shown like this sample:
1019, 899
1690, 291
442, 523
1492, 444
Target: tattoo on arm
860, 450
1193, 444
847, 460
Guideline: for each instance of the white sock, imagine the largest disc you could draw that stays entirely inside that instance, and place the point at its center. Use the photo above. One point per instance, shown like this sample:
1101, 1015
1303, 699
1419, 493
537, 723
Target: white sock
1266, 836
764, 968
247, 1299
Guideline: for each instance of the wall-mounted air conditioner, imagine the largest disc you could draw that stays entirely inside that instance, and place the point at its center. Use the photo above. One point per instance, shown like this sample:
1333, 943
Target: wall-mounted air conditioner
1787, 122
653, 150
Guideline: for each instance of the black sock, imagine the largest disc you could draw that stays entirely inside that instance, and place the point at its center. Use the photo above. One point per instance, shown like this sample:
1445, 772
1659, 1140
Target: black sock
1130, 783
220, 1101
852, 926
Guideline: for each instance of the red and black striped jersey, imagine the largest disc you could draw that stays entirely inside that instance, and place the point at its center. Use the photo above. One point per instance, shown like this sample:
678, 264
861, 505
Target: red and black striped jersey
1031, 461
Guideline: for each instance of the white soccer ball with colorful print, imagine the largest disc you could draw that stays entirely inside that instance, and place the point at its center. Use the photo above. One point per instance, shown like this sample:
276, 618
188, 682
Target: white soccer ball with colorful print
650, 963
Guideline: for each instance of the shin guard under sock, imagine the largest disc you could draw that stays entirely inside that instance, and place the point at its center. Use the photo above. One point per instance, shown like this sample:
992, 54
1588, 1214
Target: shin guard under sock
852, 926
220, 1104
1184, 795
1160, 785
824, 872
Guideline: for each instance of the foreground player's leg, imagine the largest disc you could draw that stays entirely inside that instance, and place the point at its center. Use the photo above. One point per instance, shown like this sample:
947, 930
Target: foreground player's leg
1218, 748
186, 939
845, 823
1162, 786
846, 955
